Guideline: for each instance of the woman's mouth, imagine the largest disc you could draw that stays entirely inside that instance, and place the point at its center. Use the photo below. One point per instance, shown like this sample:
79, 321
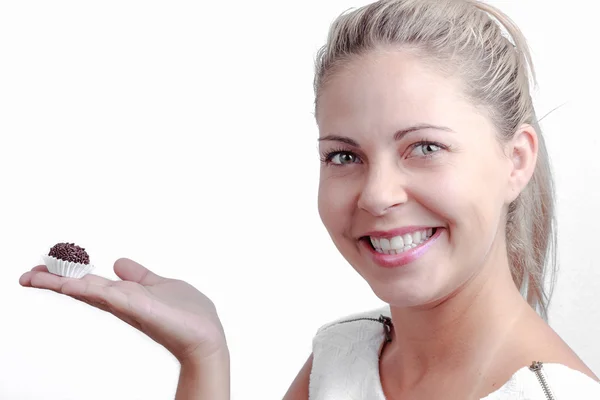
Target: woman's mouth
401, 243
399, 250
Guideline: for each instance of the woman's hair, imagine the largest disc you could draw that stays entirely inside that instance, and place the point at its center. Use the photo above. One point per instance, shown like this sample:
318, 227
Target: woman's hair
466, 38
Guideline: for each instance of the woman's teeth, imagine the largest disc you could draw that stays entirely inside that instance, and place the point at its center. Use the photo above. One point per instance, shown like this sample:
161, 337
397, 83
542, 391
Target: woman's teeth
399, 244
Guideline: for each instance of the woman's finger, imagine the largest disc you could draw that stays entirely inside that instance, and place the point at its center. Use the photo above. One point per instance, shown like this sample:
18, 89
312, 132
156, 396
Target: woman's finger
129, 270
40, 279
25, 279
46, 280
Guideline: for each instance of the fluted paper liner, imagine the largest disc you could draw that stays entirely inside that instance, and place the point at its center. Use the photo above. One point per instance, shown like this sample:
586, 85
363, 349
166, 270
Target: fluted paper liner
67, 269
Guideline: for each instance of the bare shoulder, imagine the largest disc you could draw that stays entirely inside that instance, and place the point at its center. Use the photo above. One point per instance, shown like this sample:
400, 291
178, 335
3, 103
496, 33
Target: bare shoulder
560, 352
542, 343
299, 388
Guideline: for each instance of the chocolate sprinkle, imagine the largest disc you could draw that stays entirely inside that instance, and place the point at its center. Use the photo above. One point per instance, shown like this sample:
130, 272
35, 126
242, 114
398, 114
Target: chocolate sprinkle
70, 252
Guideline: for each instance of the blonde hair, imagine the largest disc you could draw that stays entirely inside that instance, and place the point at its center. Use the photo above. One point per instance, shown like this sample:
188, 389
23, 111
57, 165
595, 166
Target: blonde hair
472, 40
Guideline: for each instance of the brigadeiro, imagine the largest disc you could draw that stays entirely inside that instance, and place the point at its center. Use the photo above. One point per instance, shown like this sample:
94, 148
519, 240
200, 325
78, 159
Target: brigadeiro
68, 260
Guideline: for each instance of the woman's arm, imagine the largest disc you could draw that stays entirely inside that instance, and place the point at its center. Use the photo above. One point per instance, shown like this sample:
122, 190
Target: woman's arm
206, 379
299, 388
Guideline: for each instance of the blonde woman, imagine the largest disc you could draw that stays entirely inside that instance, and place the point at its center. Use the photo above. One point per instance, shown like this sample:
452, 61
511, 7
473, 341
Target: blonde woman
436, 187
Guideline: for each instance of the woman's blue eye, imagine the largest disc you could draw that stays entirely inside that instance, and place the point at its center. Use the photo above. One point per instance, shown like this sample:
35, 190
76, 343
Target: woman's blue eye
342, 158
425, 149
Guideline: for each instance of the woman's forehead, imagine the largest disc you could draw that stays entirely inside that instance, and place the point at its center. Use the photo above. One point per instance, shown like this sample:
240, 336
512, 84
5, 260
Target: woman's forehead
384, 86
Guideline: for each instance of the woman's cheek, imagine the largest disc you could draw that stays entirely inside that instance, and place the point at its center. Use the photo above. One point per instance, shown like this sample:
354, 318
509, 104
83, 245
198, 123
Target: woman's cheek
336, 198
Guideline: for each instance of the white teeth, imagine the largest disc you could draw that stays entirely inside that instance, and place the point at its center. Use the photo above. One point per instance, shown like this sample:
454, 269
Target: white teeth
417, 236
399, 244
385, 244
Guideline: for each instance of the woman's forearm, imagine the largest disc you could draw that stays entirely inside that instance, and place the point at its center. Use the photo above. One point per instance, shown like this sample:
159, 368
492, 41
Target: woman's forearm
208, 379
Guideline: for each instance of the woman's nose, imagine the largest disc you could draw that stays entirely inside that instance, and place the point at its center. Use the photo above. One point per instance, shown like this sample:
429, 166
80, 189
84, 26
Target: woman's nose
382, 190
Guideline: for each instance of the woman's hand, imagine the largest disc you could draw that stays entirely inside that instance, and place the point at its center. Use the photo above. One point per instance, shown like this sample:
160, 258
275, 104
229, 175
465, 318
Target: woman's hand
171, 312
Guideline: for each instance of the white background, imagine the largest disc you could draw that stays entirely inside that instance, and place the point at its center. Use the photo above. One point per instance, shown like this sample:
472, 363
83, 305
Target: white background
180, 134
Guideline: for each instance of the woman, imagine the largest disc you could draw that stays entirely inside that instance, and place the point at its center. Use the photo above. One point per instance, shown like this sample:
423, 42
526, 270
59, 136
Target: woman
435, 186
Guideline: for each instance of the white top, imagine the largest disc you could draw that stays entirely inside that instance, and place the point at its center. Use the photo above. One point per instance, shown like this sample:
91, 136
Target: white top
346, 367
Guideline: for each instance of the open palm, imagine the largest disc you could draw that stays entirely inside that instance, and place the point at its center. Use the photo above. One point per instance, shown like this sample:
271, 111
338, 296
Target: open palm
172, 312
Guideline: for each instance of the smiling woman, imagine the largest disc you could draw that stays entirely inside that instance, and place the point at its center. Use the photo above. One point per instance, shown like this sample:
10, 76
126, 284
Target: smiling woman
435, 186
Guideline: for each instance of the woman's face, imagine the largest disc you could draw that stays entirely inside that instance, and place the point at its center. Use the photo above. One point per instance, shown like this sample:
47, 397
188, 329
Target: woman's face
414, 182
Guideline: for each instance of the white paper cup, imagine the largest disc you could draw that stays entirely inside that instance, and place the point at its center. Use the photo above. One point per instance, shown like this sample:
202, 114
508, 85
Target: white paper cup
67, 269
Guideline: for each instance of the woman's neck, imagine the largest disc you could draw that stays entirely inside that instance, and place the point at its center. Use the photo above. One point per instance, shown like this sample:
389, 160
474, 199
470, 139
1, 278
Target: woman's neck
460, 334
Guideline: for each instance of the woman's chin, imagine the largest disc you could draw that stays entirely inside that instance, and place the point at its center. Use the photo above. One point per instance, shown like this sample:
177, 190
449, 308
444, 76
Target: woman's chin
401, 297
408, 294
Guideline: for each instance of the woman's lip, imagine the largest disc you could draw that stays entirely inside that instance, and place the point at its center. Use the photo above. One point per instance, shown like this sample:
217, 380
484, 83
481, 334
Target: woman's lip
404, 258
397, 232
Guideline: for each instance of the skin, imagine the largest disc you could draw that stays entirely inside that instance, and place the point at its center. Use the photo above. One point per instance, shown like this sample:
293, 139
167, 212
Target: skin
465, 327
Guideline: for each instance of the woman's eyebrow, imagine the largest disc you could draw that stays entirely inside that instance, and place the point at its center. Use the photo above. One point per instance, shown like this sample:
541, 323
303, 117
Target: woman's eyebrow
397, 136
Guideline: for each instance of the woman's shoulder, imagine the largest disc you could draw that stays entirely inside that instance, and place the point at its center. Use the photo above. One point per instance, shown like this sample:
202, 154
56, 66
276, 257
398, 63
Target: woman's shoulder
547, 381
560, 369
367, 328
540, 341
351, 321
558, 380
345, 356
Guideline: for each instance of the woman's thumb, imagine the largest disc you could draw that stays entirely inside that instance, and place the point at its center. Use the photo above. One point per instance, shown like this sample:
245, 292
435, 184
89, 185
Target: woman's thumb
129, 270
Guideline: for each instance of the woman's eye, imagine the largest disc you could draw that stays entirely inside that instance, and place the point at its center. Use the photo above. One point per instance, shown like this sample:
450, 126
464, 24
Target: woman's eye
342, 158
425, 149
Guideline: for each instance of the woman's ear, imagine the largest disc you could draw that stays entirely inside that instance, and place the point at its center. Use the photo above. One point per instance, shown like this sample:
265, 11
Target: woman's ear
522, 151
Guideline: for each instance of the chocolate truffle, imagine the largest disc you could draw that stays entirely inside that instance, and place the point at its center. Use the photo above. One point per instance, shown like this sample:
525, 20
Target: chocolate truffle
70, 252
